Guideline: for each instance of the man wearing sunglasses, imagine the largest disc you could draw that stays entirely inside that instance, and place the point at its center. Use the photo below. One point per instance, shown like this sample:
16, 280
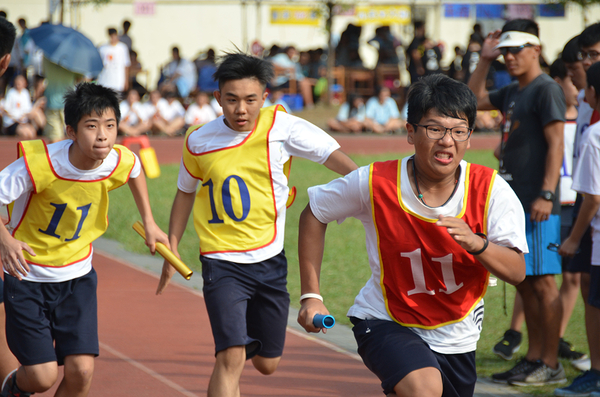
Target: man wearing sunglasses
530, 154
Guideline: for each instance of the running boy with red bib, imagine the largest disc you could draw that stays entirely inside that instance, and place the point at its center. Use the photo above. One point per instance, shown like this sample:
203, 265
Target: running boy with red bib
436, 227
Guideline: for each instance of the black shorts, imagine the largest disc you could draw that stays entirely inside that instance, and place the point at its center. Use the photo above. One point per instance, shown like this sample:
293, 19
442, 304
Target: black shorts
11, 130
594, 295
391, 351
582, 261
46, 322
247, 304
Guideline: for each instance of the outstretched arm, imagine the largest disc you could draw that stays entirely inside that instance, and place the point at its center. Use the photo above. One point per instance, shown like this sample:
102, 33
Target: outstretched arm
339, 162
311, 244
479, 76
506, 263
180, 213
589, 209
140, 195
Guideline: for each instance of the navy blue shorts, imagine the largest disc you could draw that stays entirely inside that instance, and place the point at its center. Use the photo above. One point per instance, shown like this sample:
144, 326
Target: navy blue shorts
391, 351
582, 261
46, 322
247, 304
594, 296
2, 290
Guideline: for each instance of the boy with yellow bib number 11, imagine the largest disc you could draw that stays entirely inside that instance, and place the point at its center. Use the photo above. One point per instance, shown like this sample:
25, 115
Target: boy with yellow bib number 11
59, 196
239, 214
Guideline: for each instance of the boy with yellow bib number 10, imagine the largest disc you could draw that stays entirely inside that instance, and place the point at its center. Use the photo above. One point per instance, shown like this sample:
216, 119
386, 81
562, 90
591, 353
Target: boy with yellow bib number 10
59, 196
239, 215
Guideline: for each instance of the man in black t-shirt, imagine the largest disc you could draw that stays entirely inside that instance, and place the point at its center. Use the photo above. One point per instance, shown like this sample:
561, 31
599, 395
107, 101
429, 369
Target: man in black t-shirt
530, 154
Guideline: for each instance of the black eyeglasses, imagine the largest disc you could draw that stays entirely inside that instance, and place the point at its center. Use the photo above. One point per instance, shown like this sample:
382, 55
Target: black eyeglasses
591, 55
437, 132
513, 50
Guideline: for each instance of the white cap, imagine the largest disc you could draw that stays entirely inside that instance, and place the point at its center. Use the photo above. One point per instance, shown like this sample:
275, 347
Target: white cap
517, 39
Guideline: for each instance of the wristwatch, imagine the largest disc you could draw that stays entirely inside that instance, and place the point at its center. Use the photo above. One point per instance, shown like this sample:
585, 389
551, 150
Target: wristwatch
547, 195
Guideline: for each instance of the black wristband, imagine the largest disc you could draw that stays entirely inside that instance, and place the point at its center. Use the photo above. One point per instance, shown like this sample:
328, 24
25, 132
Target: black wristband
485, 244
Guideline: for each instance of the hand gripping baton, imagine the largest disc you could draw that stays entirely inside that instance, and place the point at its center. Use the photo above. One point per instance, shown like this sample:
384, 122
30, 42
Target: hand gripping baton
323, 321
166, 253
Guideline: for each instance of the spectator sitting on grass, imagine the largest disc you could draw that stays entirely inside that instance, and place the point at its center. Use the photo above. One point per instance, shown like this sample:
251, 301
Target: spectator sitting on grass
350, 117
134, 118
19, 116
166, 114
200, 112
382, 114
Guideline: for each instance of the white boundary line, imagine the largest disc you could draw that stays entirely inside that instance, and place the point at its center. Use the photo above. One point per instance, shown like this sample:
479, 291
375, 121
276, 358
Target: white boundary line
147, 370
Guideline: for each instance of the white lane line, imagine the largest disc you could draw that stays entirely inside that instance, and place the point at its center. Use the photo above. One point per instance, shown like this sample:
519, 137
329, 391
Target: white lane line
147, 370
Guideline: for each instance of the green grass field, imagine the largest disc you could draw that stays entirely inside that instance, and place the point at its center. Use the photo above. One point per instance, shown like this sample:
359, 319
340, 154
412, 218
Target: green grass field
345, 265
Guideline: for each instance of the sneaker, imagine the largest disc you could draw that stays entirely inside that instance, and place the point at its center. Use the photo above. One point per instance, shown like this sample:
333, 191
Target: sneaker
540, 376
523, 366
582, 386
9, 387
510, 343
565, 350
583, 364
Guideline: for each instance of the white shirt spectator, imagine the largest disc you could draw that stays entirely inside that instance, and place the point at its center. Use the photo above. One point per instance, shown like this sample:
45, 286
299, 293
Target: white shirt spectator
115, 59
16, 105
169, 111
198, 115
131, 114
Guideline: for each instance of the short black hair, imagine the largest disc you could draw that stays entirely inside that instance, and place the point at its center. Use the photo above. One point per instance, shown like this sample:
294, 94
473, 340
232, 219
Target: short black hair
86, 98
8, 33
237, 66
571, 53
449, 97
558, 69
112, 31
522, 25
590, 35
593, 77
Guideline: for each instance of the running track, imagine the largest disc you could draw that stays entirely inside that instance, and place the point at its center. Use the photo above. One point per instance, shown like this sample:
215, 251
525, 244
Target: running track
162, 345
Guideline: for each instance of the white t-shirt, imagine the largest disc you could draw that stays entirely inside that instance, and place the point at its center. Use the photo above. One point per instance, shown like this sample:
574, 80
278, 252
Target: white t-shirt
131, 115
115, 59
350, 197
196, 115
16, 104
568, 195
584, 117
169, 111
290, 136
586, 180
16, 185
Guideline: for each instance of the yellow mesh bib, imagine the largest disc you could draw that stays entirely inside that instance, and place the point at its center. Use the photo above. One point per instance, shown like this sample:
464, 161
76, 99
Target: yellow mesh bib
235, 208
63, 216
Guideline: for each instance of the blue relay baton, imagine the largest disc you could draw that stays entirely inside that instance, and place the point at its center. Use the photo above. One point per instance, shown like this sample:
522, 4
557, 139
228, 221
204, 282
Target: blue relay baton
323, 321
